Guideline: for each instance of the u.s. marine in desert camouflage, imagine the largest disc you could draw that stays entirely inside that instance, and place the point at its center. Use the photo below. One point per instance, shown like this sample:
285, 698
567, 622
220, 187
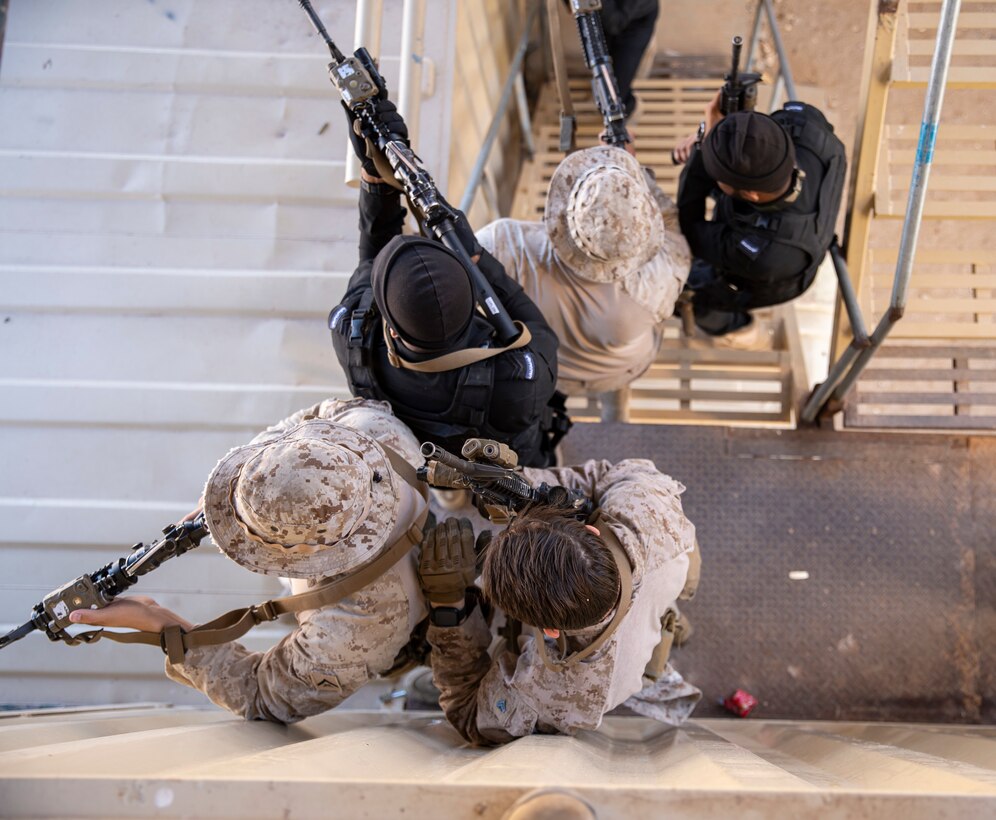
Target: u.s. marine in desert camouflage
310, 498
495, 699
605, 266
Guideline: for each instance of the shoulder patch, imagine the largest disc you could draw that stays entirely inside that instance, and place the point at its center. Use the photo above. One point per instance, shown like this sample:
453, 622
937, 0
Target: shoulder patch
530, 363
501, 706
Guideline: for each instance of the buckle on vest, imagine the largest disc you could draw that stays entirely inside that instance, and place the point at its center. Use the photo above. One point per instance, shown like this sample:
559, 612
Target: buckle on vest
356, 321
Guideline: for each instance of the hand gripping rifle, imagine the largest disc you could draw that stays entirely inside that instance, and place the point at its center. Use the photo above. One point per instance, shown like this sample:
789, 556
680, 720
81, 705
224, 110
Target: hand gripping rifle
97, 589
360, 84
739, 89
603, 78
488, 470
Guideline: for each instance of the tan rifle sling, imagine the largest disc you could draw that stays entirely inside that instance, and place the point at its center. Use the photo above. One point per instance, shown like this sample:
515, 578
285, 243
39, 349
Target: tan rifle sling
568, 122
231, 626
457, 358
625, 599
671, 624
674, 628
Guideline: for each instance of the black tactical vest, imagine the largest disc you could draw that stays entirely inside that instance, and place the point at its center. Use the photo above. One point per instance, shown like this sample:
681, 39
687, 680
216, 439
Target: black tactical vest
811, 232
468, 413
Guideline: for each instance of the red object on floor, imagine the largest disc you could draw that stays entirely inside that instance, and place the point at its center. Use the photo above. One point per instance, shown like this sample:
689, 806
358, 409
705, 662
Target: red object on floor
741, 703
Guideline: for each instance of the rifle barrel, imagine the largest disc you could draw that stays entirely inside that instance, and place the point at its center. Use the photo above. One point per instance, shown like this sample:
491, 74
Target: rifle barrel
738, 44
317, 23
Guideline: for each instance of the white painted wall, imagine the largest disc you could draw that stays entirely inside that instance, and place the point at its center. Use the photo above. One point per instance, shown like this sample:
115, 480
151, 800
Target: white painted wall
174, 228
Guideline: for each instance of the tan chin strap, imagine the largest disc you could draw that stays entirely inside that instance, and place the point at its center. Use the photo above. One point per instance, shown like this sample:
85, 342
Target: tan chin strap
625, 599
231, 626
455, 359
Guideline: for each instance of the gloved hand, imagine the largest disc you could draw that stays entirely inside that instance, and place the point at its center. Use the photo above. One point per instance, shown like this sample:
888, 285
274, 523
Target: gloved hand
448, 562
479, 548
361, 136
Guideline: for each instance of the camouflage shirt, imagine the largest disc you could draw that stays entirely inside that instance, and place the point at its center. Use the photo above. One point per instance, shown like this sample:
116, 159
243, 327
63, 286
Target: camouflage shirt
609, 331
335, 649
495, 699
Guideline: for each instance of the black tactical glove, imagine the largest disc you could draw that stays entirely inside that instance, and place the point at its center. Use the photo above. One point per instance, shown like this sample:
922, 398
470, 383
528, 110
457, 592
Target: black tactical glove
480, 547
448, 563
362, 136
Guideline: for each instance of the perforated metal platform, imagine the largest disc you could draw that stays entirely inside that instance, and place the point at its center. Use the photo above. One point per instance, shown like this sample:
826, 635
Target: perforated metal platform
846, 576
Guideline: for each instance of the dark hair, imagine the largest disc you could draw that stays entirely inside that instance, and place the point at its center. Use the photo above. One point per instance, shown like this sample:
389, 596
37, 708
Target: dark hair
548, 570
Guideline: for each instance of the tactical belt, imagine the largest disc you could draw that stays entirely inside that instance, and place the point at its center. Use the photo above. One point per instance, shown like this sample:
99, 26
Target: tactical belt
457, 358
231, 626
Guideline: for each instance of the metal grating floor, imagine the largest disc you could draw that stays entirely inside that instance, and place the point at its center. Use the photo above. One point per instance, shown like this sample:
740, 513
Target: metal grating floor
895, 616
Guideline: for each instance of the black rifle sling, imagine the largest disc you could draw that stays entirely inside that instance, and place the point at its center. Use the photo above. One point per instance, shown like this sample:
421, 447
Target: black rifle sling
625, 599
231, 626
359, 344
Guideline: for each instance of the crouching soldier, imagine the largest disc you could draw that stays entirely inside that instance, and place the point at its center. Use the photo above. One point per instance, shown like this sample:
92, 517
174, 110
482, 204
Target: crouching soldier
329, 499
407, 331
598, 600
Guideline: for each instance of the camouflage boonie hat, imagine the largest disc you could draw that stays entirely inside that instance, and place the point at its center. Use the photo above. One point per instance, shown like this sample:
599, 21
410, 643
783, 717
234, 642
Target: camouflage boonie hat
602, 219
319, 500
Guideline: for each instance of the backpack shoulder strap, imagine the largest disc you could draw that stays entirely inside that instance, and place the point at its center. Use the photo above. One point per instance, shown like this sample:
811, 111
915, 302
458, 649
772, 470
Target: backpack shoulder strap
359, 348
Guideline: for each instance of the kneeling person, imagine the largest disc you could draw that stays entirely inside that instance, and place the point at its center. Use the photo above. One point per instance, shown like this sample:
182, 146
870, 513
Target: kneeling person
603, 593
322, 495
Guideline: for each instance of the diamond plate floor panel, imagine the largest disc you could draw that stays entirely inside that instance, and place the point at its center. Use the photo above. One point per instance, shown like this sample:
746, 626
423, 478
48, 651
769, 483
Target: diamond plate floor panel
890, 538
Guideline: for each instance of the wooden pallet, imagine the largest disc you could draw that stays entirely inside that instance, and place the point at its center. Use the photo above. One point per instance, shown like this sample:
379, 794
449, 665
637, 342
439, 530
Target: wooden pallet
962, 182
924, 386
973, 60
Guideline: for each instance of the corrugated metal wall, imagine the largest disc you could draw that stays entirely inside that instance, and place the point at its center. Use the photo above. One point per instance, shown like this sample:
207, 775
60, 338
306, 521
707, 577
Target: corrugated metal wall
174, 227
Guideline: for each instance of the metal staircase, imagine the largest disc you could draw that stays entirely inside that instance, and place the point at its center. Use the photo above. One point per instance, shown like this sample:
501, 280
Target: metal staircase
692, 381
937, 368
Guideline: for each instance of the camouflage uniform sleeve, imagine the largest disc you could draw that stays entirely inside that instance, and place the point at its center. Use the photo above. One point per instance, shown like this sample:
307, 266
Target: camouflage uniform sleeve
493, 701
460, 663
587, 477
331, 654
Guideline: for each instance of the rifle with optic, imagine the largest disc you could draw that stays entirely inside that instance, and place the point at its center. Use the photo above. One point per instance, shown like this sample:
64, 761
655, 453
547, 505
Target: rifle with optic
95, 590
487, 469
360, 85
603, 78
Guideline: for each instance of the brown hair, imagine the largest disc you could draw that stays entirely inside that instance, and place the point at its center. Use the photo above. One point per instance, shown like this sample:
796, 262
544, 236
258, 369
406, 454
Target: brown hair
548, 570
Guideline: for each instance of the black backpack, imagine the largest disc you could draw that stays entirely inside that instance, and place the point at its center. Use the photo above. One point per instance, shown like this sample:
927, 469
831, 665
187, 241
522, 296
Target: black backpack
812, 233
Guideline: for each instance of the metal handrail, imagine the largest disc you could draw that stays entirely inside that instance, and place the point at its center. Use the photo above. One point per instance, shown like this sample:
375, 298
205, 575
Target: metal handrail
784, 75
784, 79
845, 372
513, 83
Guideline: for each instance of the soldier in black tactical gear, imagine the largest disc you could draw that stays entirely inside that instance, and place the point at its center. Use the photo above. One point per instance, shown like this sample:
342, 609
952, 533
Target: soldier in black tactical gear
407, 331
777, 182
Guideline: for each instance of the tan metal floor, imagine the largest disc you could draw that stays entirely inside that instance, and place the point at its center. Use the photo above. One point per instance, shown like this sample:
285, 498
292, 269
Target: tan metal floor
207, 764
